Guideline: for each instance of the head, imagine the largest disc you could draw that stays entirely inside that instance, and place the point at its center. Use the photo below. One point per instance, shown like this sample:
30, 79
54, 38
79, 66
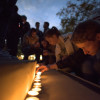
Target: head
37, 25
87, 37
46, 25
24, 18
52, 36
32, 32
44, 43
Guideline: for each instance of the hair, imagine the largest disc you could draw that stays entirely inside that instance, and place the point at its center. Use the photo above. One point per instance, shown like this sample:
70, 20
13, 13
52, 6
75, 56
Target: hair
37, 23
51, 32
47, 23
31, 31
24, 17
86, 31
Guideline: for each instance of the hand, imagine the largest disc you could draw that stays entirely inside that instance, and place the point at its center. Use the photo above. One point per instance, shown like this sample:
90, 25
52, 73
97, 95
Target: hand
42, 68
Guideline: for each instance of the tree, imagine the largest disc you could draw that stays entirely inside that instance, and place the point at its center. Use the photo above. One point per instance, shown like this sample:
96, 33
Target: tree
76, 12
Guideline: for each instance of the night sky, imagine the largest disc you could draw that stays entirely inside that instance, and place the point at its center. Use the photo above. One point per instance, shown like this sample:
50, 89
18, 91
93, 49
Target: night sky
41, 10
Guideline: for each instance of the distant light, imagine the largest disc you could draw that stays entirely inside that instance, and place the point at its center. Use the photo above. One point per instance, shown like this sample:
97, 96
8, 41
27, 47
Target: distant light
41, 57
32, 98
32, 57
21, 57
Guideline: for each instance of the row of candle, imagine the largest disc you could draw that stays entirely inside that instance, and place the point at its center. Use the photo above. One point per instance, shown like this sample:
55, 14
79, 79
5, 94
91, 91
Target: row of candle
31, 57
36, 88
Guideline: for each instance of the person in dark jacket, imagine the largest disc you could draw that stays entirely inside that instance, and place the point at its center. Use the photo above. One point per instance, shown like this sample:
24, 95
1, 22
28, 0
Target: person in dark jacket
87, 37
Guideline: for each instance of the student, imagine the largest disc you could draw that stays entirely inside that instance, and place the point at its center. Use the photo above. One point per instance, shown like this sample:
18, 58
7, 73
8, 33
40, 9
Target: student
63, 48
87, 37
30, 40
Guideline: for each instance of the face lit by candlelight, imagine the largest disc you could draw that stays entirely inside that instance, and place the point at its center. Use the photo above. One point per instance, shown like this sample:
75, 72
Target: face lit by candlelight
53, 40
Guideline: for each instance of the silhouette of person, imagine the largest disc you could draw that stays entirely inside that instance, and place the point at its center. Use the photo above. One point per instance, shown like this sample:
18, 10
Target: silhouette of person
13, 31
25, 25
38, 32
46, 27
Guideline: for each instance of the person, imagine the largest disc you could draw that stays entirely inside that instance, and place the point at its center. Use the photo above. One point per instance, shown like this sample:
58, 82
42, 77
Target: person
13, 31
38, 32
63, 48
25, 25
87, 37
46, 27
29, 41
48, 53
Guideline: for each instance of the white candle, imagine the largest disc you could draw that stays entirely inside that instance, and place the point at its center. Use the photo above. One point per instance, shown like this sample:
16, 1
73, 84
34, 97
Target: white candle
38, 73
36, 89
33, 93
41, 57
32, 57
37, 80
37, 77
32, 98
38, 84
37, 65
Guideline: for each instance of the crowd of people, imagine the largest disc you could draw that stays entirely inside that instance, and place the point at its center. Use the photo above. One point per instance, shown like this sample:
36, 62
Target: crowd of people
78, 52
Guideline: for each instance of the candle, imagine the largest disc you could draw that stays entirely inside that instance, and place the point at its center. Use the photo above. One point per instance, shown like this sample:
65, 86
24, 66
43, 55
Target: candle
21, 57
33, 93
37, 77
32, 57
41, 57
37, 65
38, 84
36, 89
37, 80
32, 98
38, 73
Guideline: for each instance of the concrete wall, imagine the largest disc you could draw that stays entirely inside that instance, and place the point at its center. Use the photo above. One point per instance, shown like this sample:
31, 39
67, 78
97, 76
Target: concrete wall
16, 79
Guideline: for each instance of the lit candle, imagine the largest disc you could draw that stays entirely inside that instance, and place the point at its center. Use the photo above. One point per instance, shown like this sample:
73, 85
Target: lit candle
33, 93
41, 57
21, 57
37, 84
38, 73
37, 80
37, 77
32, 57
37, 65
32, 98
36, 89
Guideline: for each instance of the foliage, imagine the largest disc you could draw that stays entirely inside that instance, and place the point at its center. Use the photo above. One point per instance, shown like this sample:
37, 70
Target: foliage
75, 12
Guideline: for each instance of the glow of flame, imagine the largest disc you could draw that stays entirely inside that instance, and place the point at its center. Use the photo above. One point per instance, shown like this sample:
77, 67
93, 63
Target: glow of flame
36, 89
41, 57
32, 57
33, 93
32, 98
38, 73
38, 84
